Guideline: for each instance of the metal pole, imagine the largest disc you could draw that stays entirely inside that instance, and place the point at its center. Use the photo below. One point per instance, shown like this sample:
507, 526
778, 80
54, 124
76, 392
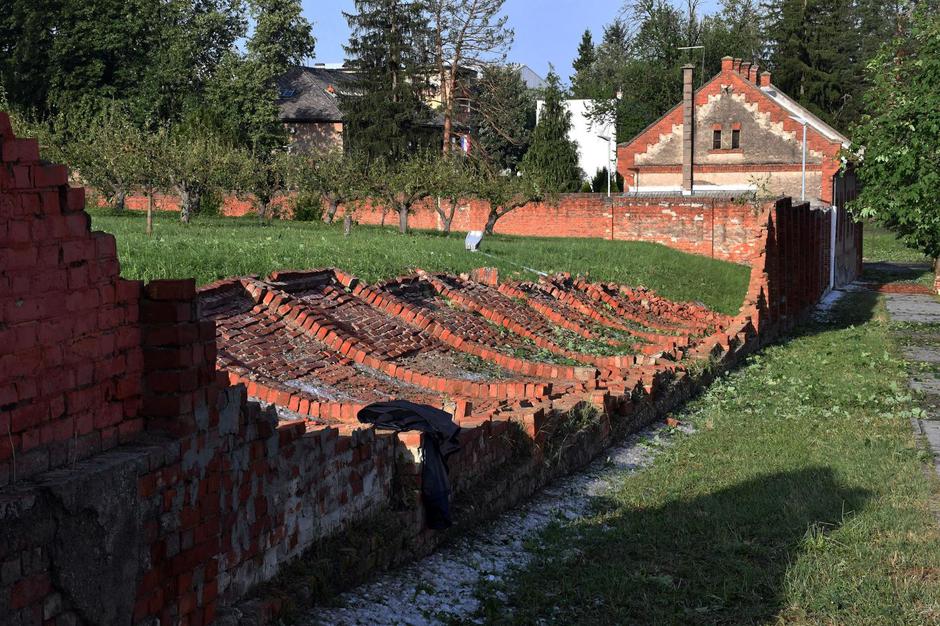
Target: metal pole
609, 171
803, 194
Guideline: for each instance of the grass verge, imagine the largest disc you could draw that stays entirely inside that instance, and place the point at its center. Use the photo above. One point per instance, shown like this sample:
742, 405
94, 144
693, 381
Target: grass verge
213, 248
802, 499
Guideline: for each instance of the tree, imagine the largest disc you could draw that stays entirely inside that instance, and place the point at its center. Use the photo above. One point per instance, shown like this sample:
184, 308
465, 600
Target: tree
817, 50
583, 66
196, 162
503, 117
466, 32
553, 157
104, 146
506, 193
332, 177
409, 182
452, 179
900, 135
388, 50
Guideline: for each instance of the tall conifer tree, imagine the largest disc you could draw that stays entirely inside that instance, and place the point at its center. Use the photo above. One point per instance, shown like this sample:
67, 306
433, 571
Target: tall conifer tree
583, 66
388, 50
552, 158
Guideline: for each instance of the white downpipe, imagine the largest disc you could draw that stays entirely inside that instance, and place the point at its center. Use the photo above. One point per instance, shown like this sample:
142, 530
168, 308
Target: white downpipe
832, 247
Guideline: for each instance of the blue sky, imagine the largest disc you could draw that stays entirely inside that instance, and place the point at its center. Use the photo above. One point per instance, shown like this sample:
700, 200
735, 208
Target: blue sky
547, 31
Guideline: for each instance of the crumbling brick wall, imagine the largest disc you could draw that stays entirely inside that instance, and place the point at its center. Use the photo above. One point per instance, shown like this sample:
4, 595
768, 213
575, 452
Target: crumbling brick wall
148, 487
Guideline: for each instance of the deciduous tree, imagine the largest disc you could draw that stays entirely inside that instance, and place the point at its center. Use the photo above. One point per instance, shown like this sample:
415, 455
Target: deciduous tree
899, 137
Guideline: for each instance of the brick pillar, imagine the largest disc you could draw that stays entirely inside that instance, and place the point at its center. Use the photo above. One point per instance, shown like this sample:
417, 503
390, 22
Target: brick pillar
688, 127
179, 359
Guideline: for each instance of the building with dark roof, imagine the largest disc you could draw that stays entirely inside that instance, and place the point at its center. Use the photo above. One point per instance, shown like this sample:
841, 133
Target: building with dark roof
308, 101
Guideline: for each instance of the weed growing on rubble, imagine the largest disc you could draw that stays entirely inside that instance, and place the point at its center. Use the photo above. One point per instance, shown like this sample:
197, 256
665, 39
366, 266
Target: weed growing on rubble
217, 247
802, 499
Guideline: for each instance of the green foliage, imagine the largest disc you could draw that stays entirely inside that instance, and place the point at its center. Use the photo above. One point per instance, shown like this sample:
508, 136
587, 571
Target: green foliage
307, 207
213, 248
583, 64
599, 182
552, 157
818, 50
503, 118
388, 49
900, 163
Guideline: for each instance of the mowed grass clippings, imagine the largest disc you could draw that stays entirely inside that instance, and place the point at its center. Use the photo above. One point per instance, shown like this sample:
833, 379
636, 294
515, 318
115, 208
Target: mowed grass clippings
218, 247
802, 499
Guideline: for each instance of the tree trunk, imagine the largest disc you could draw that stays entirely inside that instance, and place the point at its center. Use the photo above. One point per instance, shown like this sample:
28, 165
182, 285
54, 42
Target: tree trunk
347, 225
384, 213
936, 275
189, 204
333, 207
120, 195
150, 212
491, 222
403, 219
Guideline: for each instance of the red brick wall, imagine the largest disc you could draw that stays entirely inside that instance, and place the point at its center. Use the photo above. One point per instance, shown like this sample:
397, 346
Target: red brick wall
719, 228
70, 357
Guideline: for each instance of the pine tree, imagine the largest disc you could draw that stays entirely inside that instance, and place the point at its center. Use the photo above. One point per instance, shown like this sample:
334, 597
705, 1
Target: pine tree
501, 118
583, 66
388, 50
552, 158
818, 49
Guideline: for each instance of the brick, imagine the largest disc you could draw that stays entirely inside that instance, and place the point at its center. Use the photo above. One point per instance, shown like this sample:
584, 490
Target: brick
171, 289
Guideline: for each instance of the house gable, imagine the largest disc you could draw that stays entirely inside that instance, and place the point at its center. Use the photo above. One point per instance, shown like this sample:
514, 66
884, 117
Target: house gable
769, 139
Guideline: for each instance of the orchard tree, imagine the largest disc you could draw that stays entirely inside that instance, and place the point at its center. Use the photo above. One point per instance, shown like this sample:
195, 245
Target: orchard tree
452, 180
506, 193
900, 135
409, 182
553, 157
331, 178
466, 33
197, 162
102, 143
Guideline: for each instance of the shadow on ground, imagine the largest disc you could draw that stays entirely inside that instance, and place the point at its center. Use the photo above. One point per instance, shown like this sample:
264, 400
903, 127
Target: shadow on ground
720, 558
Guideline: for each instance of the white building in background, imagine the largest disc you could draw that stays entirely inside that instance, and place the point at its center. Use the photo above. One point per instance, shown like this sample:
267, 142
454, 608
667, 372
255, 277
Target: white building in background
596, 141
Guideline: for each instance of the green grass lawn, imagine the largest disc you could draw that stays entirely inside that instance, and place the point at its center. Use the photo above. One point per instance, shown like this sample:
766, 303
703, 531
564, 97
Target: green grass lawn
802, 498
213, 248
882, 245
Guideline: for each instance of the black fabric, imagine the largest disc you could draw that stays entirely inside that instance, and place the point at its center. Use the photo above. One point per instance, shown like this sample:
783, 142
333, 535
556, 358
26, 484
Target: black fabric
441, 441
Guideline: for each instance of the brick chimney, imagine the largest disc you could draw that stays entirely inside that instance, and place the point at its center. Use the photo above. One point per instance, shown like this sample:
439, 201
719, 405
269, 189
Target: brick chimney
688, 127
752, 73
745, 69
727, 64
736, 66
765, 79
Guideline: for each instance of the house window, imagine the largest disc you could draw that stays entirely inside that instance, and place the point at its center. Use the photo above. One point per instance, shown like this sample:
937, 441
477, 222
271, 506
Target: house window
735, 139
716, 139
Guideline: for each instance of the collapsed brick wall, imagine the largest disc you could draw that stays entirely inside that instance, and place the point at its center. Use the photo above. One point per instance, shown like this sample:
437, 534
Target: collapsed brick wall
210, 494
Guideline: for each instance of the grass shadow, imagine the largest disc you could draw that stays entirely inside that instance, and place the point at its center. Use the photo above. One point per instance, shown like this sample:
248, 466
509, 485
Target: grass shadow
720, 558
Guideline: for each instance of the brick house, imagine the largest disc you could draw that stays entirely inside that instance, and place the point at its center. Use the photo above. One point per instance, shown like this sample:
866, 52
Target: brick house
747, 136
308, 105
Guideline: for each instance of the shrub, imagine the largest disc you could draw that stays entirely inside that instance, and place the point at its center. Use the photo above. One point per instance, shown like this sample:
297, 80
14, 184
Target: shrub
308, 207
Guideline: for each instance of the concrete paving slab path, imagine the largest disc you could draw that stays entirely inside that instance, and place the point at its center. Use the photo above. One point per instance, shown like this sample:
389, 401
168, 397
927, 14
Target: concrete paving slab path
921, 349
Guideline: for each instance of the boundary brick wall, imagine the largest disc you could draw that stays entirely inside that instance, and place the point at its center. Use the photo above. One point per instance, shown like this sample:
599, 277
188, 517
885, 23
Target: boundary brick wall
148, 488
721, 228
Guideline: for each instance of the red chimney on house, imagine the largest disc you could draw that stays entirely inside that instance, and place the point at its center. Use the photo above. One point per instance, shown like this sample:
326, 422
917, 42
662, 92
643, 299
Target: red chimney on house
752, 73
688, 127
727, 64
765, 79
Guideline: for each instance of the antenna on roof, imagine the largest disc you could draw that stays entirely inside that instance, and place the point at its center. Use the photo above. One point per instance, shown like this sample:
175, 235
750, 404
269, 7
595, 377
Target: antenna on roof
702, 48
